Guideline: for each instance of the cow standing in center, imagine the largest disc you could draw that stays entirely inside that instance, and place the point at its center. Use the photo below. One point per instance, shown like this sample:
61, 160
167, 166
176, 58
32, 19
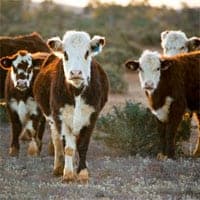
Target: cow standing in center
76, 90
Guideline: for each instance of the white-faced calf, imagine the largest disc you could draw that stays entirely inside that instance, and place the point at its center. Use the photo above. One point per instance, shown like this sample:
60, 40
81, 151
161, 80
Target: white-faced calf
171, 84
25, 116
175, 42
76, 90
10, 45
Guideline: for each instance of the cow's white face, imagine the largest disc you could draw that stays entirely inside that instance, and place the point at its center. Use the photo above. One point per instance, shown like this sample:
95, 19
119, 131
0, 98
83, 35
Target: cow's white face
149, 70
174, 42
21, 68
78, 50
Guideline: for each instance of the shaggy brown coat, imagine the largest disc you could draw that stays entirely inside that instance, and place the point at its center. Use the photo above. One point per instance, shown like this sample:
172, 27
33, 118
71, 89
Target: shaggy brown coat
51, 83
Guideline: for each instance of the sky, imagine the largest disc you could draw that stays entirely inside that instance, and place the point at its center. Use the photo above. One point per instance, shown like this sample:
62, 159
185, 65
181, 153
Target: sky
170, 3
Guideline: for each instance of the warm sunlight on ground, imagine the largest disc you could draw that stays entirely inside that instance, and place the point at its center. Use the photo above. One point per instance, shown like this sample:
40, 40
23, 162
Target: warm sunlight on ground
170, 3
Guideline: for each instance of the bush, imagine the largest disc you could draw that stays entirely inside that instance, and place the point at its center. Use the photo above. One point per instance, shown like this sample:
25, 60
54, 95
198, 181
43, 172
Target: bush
133, 129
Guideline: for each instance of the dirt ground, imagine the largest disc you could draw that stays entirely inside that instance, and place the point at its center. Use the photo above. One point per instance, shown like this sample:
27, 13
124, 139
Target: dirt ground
112, 176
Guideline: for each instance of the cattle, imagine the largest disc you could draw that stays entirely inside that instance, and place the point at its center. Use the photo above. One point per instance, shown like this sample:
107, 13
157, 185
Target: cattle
172, 85
76, 89
24, 113
174, 42
10, 45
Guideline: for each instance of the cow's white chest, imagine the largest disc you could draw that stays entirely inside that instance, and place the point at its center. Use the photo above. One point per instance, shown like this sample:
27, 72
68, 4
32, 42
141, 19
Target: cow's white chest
75, 118
162, 113
24, 109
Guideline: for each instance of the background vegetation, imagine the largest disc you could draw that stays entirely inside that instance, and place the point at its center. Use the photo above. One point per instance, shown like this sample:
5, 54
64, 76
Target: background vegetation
128, 30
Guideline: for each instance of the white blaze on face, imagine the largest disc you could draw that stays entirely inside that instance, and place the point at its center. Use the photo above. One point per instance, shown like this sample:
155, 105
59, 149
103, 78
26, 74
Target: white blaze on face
16, 70
174, 42
76, 46
149, 73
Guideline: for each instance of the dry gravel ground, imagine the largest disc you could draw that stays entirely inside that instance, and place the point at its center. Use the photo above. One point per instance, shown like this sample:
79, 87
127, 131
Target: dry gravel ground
112, 175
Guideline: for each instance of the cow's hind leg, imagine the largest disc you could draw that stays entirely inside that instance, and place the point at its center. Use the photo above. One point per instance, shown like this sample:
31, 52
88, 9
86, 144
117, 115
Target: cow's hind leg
197, 153
31, 127
58, 150
40, 131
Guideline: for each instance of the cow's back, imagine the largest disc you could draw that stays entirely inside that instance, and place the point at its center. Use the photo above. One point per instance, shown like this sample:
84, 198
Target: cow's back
43, 82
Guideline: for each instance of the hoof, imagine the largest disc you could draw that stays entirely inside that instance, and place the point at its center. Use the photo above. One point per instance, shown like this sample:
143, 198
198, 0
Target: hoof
50, 149
69, 177
33, 149
161, 157
13, 151
58, 171
83, 176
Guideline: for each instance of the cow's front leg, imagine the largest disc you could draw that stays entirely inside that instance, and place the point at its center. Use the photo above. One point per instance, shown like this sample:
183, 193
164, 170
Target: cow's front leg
69, 151
82, 147
174, 120
162, 131
16, 128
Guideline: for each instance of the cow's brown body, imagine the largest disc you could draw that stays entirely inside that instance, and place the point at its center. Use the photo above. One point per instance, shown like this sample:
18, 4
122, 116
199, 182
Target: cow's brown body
182, 83
23, 111
51, 83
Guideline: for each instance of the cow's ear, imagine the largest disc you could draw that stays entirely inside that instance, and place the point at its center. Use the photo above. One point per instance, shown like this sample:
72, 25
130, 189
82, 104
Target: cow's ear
164, 34
132, 64
55, 43
193, 43
6, 63
96, 45
38, 58
165, 64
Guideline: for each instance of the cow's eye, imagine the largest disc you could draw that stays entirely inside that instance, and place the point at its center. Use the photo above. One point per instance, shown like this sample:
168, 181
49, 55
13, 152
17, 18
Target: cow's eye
182, 48
86, 54
140, 69
158, 69
65, 55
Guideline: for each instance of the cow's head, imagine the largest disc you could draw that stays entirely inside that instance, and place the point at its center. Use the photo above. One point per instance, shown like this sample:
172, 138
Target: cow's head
174, 42
78, 49
22, 66
149, 67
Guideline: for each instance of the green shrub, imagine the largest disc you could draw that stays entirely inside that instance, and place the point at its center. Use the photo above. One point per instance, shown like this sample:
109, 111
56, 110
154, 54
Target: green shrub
133, 130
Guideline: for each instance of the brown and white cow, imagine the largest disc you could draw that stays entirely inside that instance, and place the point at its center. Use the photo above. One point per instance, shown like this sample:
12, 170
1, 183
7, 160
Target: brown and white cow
24, 113
76, 90
171, 84
175, 42
10, 45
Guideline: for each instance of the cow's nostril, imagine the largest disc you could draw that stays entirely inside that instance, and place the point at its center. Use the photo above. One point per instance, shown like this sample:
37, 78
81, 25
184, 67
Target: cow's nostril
149, 84
76, 72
